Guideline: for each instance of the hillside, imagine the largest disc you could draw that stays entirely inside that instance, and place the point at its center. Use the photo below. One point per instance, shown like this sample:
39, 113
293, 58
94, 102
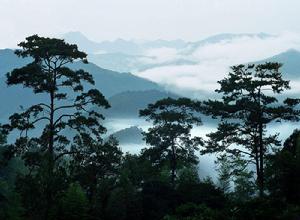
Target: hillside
290, 60
9, 61
127, 104
132, 135
112, 82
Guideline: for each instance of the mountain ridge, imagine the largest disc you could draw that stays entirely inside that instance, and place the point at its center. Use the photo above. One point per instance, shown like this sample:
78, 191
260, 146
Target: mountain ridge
127, 104
107, 81
290, 60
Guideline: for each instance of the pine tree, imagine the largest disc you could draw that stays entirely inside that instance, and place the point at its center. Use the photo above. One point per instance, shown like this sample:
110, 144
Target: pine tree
247, 106
66, 106
170, 136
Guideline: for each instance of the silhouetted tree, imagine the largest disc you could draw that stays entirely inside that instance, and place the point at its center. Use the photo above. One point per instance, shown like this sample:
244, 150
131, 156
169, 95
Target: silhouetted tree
10, 203
94, 162
246, 108
283, 170
124, 202
191, 211
66, 106
170, 136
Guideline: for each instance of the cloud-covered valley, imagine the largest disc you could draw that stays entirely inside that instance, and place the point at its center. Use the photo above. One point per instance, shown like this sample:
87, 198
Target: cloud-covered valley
210, 62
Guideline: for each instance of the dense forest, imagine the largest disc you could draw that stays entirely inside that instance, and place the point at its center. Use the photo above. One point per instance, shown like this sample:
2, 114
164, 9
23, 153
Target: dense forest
56, 164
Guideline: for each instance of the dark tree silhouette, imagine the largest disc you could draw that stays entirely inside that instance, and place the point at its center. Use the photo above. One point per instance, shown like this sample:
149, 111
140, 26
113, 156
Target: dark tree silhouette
283, 170
170, 136
94, 162
66, 106
247, 106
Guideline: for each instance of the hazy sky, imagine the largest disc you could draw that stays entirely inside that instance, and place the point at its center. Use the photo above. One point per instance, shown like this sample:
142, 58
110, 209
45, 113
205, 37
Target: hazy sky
144, 19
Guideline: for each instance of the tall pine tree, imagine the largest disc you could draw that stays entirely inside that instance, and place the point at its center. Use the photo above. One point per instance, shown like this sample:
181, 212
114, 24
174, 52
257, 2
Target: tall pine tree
248, 105
170, 135
66, 108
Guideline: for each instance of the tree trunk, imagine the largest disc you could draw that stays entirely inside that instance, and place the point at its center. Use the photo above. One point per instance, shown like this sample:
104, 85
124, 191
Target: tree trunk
261, 161
257, 163
260, 176
173, 165
50, 153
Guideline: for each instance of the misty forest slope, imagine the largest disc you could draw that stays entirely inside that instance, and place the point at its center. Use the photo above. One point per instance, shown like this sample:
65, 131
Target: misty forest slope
127, 104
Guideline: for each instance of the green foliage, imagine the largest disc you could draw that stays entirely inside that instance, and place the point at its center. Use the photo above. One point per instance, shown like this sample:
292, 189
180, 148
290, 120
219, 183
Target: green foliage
10, 204
170, 135
93, 161
158, 199
9, 167
124, 202
188, 175
140, 169
33, 188
234, 171
265, 208
191, 211
244, 187
201, 192
224, 173
283, 170
74, 203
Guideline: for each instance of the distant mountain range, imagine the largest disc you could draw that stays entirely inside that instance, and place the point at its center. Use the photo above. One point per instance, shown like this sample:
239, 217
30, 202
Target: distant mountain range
108, 82
137, 47
133, 56
122, 62
127, 92
225, 37
131, 47
122, 55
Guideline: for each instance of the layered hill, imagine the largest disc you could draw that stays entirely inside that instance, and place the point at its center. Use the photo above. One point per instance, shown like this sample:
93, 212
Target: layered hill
290, 60
108, 82
127, 104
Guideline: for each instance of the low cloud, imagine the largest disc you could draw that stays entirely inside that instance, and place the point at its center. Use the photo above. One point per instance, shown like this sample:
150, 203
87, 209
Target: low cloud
160, 55
214, 59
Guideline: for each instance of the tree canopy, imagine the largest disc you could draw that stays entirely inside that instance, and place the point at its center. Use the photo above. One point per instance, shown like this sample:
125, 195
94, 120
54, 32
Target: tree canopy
170, 135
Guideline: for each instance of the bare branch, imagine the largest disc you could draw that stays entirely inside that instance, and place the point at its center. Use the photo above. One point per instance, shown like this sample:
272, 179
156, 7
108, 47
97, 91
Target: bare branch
61, 117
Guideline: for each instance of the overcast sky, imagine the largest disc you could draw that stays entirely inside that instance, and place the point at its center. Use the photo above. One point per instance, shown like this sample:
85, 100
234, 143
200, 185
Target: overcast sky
144, 19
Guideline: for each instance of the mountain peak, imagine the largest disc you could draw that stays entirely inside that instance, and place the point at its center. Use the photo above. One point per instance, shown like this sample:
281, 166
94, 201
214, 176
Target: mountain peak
287, 56
290, 60
76, 37
75, 34
291, 52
